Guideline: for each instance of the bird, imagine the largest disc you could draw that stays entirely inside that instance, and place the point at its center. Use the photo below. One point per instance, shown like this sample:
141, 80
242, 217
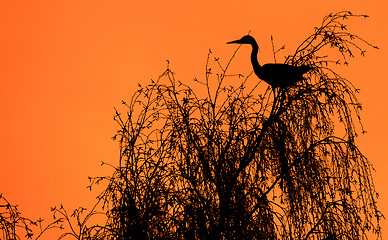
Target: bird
277, 75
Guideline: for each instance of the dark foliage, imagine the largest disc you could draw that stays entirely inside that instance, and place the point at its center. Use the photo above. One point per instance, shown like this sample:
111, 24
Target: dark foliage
14, 226
216, 160
242, 162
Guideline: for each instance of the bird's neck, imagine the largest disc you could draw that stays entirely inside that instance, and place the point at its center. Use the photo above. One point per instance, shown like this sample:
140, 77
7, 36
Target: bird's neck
255, 62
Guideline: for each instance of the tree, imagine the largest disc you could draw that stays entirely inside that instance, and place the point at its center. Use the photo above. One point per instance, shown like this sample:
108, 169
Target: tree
15, 226
221, 161
243, 162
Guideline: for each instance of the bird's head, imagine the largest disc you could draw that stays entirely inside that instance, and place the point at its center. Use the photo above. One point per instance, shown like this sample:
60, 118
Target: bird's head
245, 40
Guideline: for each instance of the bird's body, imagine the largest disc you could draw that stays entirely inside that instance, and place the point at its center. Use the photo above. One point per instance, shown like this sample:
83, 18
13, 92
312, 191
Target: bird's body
281, 75
277, 75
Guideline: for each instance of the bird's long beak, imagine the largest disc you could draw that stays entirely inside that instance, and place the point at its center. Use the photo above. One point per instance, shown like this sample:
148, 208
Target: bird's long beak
236, 41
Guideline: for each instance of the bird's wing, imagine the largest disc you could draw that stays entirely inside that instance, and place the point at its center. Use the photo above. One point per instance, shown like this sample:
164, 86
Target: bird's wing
284, 70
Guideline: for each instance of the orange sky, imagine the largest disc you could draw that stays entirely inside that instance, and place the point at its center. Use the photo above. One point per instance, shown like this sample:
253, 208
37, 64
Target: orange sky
66, 64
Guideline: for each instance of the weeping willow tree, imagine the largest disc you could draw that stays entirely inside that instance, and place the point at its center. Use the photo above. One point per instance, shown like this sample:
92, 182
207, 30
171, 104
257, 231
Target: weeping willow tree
211, 160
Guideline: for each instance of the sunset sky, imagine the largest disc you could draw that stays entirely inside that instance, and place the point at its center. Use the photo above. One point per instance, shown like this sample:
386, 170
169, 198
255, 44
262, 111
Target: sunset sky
66, 64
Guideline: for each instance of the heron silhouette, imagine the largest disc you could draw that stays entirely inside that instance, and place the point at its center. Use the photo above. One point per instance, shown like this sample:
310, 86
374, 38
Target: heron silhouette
278, 75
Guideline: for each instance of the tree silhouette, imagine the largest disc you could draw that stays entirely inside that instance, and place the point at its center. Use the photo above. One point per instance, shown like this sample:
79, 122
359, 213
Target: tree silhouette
242, 162
228, 158
15, 226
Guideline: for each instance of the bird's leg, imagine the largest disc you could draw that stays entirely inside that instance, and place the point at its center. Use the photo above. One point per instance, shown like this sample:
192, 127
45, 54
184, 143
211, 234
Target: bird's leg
276, 97
279, 97
274, 94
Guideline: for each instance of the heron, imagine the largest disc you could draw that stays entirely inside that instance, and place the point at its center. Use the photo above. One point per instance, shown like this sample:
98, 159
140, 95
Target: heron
277, 75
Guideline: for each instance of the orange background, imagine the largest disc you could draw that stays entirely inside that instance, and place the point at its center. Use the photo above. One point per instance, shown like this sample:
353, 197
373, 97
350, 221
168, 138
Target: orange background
66, 64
